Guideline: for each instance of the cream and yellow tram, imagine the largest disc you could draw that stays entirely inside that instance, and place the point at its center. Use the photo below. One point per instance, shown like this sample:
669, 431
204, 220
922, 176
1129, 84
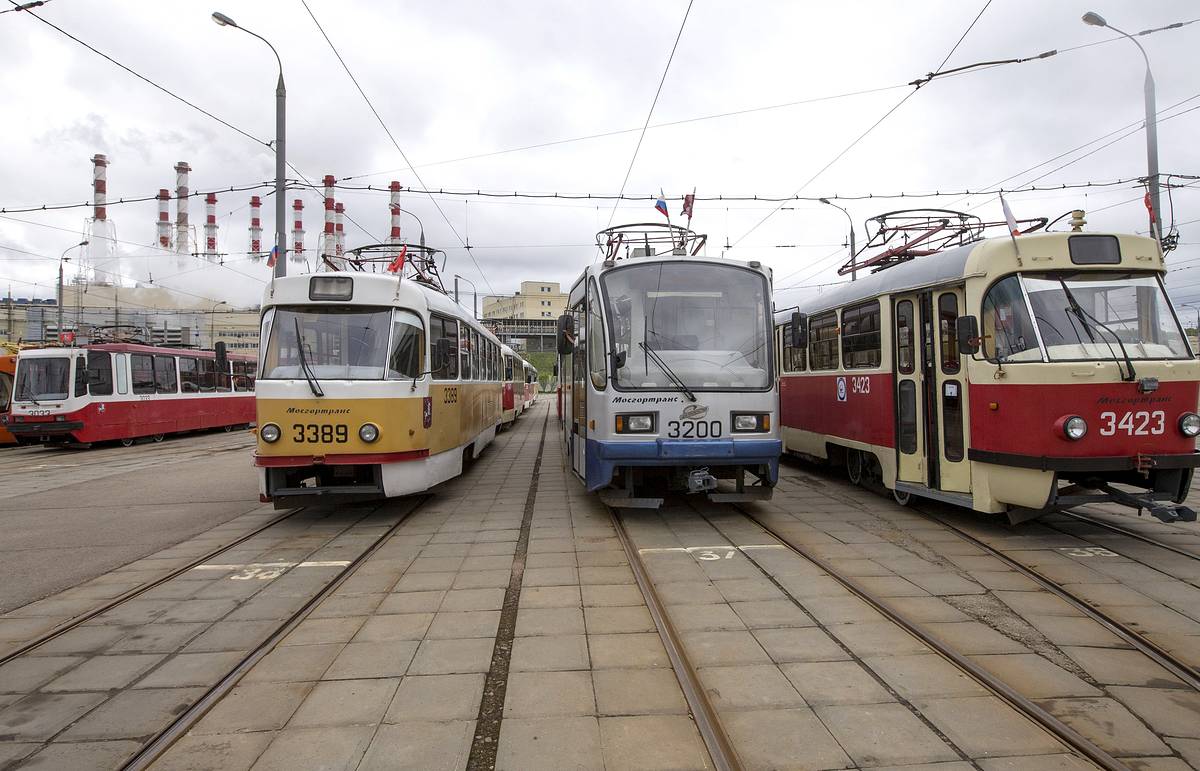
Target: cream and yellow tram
1005, 381
370, 386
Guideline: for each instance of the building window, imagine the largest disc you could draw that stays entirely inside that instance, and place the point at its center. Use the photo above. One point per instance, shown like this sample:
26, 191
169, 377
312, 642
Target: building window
822, 341
860, 336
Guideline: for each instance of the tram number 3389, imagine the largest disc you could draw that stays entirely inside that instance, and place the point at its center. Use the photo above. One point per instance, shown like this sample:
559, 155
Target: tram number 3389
693, 429
312, 433
1140, 423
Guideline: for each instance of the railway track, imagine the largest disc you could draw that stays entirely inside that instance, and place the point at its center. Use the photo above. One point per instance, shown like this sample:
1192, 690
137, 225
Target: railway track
79, 620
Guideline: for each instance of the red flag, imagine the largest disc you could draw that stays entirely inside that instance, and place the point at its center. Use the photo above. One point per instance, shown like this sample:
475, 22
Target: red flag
397, 265
1008, 217
689, 201
1149, 206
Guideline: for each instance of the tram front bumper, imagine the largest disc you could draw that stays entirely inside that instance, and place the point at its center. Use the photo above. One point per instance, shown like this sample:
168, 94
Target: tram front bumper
605, 456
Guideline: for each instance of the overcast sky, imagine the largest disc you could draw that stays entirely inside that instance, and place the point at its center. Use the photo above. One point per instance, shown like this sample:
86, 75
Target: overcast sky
453, 79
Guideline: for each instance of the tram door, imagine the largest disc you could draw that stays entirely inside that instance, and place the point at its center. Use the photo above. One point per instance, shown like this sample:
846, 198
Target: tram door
914, 366
950, 393
578, 397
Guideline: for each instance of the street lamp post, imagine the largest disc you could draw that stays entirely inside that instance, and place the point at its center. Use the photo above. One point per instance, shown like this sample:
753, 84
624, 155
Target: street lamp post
1094, 19
212, 323
474, 294
853, 252
63, 258
280, 150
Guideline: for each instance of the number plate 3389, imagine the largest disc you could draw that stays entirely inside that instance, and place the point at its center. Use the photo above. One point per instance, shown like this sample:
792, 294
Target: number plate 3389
320, 433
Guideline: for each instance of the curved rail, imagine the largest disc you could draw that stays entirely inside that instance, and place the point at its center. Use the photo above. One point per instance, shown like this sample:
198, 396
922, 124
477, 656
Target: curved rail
708, 722
136, 591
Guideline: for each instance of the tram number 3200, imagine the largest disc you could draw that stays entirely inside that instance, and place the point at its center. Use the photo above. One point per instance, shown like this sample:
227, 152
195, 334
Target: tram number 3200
693, 429
314, 433
1140, 423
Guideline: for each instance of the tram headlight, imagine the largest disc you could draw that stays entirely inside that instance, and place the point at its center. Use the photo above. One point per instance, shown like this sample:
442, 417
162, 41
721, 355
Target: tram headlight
758, 421
368, 432
1189, 424
269, 433
1074, 428
640, 423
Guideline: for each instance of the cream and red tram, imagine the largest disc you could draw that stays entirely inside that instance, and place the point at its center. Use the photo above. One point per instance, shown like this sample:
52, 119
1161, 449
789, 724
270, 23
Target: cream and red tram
1003, 381
666, 371
513, 395
371, 385
531, 384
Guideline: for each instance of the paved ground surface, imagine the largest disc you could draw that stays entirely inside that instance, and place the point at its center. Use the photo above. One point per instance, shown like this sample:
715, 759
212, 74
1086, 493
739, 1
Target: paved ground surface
502, 623
71, 515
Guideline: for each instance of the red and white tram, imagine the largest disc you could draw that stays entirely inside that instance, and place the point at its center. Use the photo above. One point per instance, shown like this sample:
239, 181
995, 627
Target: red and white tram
531, 384
512, 397
125, 391
1003, 381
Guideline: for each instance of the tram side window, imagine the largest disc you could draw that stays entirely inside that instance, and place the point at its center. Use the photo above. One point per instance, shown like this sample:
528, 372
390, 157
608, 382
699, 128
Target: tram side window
141, 367
122, 380
508, 368
597, 354
165, 379
822, 341
81, 377
794, 359
466, 352
224, 380
1007, 331
907, 408
99, 373
861, 346
208, 375
905, 361
408, 343
952, 418
189, 375
442, 328
947, 323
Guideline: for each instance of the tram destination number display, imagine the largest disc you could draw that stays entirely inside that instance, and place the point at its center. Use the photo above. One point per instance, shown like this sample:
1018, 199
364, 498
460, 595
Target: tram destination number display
320, 433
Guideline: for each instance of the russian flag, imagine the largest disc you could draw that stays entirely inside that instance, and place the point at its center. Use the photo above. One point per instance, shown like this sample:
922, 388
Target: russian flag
661, 205
274, 256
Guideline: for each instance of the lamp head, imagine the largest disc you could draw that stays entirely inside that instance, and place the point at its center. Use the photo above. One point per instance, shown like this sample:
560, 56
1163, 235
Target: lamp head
223, 20
1093, 19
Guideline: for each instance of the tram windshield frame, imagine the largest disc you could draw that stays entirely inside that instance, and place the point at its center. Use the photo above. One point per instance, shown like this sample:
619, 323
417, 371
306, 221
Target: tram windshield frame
1081, 315
42, 379
343, 342
709, 323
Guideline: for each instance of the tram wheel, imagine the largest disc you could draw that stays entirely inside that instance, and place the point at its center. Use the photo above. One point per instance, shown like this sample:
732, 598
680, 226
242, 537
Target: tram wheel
158, 437
854, 466
901, 497
127, 442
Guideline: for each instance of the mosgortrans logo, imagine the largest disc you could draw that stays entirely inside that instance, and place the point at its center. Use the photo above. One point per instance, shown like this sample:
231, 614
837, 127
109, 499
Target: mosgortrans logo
318, 410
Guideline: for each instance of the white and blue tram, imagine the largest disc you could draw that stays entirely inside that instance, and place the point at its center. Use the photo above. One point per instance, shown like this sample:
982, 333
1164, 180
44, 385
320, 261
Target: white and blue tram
667, 371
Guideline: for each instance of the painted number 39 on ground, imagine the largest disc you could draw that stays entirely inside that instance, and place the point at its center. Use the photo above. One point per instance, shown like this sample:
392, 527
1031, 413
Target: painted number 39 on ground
1140, 423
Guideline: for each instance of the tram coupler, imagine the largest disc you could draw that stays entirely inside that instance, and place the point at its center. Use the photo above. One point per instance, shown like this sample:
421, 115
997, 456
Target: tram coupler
1162, 511
700, 481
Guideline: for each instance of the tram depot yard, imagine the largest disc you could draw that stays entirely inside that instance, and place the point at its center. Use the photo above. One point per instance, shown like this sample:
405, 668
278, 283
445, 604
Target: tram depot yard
509, 618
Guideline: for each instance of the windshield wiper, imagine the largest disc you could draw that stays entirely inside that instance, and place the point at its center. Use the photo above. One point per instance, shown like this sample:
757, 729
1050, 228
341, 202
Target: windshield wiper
670, 373
313, 384
1084, 317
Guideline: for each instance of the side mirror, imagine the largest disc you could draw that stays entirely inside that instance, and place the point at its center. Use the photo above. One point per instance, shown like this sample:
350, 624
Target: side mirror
619, 359
799, 330
441, 354
967, 329
566, 334
222, 357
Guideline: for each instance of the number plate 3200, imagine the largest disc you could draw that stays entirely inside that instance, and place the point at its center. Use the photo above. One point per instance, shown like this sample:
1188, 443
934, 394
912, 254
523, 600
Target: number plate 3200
320, 433
693, 429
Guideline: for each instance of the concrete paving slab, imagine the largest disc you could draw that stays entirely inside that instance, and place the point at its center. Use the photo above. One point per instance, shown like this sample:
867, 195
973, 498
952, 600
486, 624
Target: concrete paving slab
372, 659
463, 624
420, 746
550, 596
135, 714
549, 621
436, 697
341, 747
759, 686
549, 653
320, 631
254, 707
412, 602
1172, 712
973, 638
444, 657
1109, 724
927, 609
637, 692
104, 673
617, 620
10, 752
1116, 666
1040, 603
550, 744
783, 738
840, 609
111, 754
26, 674
294, 663
473, 599
391, 628
1036, 763
924, 676
1188, 749
1035, 677
984, 726
651, 743
805, 644
707, 617
609, 651
191, 669
345, 702
877, 638
1005, 580
83, 639
723, 649
232, 636
549, 694
881, 734
766, 614
228, 752
39, 716
835, 682
600, 595
1067, 630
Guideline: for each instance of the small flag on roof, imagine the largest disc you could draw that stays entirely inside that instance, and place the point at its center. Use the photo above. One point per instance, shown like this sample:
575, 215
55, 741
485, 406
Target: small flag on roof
689, 201
661, 205
397, 265
274, 256
1149, 206
1009, 218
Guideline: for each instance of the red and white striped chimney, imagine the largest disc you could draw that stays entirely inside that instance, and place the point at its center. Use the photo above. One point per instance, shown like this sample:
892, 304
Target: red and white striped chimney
298, 231
394, 235
339, 232
182, 234
327, 238
164, 219
256, 227
210, 227
100, 186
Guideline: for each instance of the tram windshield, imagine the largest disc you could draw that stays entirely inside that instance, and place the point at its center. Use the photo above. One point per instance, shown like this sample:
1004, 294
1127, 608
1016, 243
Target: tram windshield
1083, 315
698, 325
43, 377
342, 343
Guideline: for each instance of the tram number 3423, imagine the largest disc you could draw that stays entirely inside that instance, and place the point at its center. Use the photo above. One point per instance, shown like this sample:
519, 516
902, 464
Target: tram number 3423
313, 433
693, 429
1140, 423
